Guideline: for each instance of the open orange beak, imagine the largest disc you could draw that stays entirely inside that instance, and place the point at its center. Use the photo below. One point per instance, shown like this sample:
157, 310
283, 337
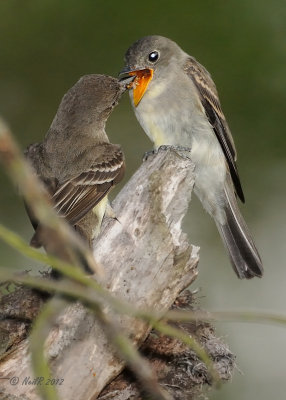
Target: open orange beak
140, 83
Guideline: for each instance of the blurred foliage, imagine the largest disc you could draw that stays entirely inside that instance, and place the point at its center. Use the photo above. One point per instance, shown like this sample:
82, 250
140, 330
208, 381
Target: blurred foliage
46, 45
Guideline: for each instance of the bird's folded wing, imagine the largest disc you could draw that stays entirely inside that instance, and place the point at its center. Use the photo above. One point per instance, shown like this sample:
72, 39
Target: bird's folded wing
78, 195
210, 101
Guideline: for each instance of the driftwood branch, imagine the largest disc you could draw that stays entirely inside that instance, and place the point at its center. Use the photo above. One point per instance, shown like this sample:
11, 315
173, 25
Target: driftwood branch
147, 261
178, 368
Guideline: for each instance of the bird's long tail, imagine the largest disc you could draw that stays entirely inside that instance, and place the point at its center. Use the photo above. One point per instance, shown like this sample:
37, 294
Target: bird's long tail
237, 239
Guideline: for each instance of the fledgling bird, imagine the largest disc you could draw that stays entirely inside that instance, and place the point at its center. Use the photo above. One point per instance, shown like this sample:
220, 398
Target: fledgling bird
76, 162
176, 102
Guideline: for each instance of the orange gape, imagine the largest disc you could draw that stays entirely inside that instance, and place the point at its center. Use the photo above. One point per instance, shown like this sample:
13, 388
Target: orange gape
140, 83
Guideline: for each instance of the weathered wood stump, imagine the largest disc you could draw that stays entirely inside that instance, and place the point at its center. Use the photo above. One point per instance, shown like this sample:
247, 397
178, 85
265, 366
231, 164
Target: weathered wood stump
148, 262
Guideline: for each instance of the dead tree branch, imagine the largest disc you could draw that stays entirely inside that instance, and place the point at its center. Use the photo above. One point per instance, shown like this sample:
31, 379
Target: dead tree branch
147, 262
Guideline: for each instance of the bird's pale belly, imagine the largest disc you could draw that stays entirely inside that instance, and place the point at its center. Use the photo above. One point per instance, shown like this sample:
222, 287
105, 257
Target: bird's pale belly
206, 154
164, 129
99, 211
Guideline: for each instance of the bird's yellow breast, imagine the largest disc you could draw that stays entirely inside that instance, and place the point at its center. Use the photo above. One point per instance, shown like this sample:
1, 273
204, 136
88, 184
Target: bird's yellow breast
99, 211
157, 135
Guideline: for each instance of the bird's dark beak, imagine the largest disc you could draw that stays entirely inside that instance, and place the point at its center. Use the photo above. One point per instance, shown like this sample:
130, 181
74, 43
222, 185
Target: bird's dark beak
126, 81
125, 72
139, 85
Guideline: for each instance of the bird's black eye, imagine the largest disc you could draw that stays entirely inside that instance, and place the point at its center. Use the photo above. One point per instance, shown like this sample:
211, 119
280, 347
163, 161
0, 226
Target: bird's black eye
153, 57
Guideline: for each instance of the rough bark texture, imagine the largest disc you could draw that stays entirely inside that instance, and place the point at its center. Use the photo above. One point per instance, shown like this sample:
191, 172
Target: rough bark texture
17, 311
148, 262
178, 368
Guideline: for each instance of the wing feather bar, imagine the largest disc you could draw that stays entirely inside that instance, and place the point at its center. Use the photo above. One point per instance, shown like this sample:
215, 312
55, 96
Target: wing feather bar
210, 101
78, 195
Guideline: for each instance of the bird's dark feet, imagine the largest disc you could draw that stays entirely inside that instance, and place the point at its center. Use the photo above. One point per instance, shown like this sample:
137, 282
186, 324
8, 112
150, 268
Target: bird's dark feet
149, 153
181, 151
110, 213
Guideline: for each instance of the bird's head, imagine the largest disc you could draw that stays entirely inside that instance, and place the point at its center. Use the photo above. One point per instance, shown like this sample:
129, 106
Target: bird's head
99, 93
90, 101
149, 58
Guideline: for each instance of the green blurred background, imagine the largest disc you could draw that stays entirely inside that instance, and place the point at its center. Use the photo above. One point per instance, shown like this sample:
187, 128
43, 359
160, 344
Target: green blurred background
45, 46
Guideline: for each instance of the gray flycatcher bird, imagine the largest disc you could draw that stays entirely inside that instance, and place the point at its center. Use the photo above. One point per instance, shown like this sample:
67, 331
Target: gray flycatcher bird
176, 102
76, 162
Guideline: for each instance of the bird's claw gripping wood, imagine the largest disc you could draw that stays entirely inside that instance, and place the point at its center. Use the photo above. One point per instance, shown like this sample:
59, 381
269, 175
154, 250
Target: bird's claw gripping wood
181, 151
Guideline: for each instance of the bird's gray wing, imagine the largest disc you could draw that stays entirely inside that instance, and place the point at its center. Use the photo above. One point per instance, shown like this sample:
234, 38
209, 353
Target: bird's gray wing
78, 195
210, 101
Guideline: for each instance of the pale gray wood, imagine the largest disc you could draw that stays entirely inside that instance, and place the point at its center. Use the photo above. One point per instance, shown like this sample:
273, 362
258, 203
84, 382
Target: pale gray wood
147, 261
